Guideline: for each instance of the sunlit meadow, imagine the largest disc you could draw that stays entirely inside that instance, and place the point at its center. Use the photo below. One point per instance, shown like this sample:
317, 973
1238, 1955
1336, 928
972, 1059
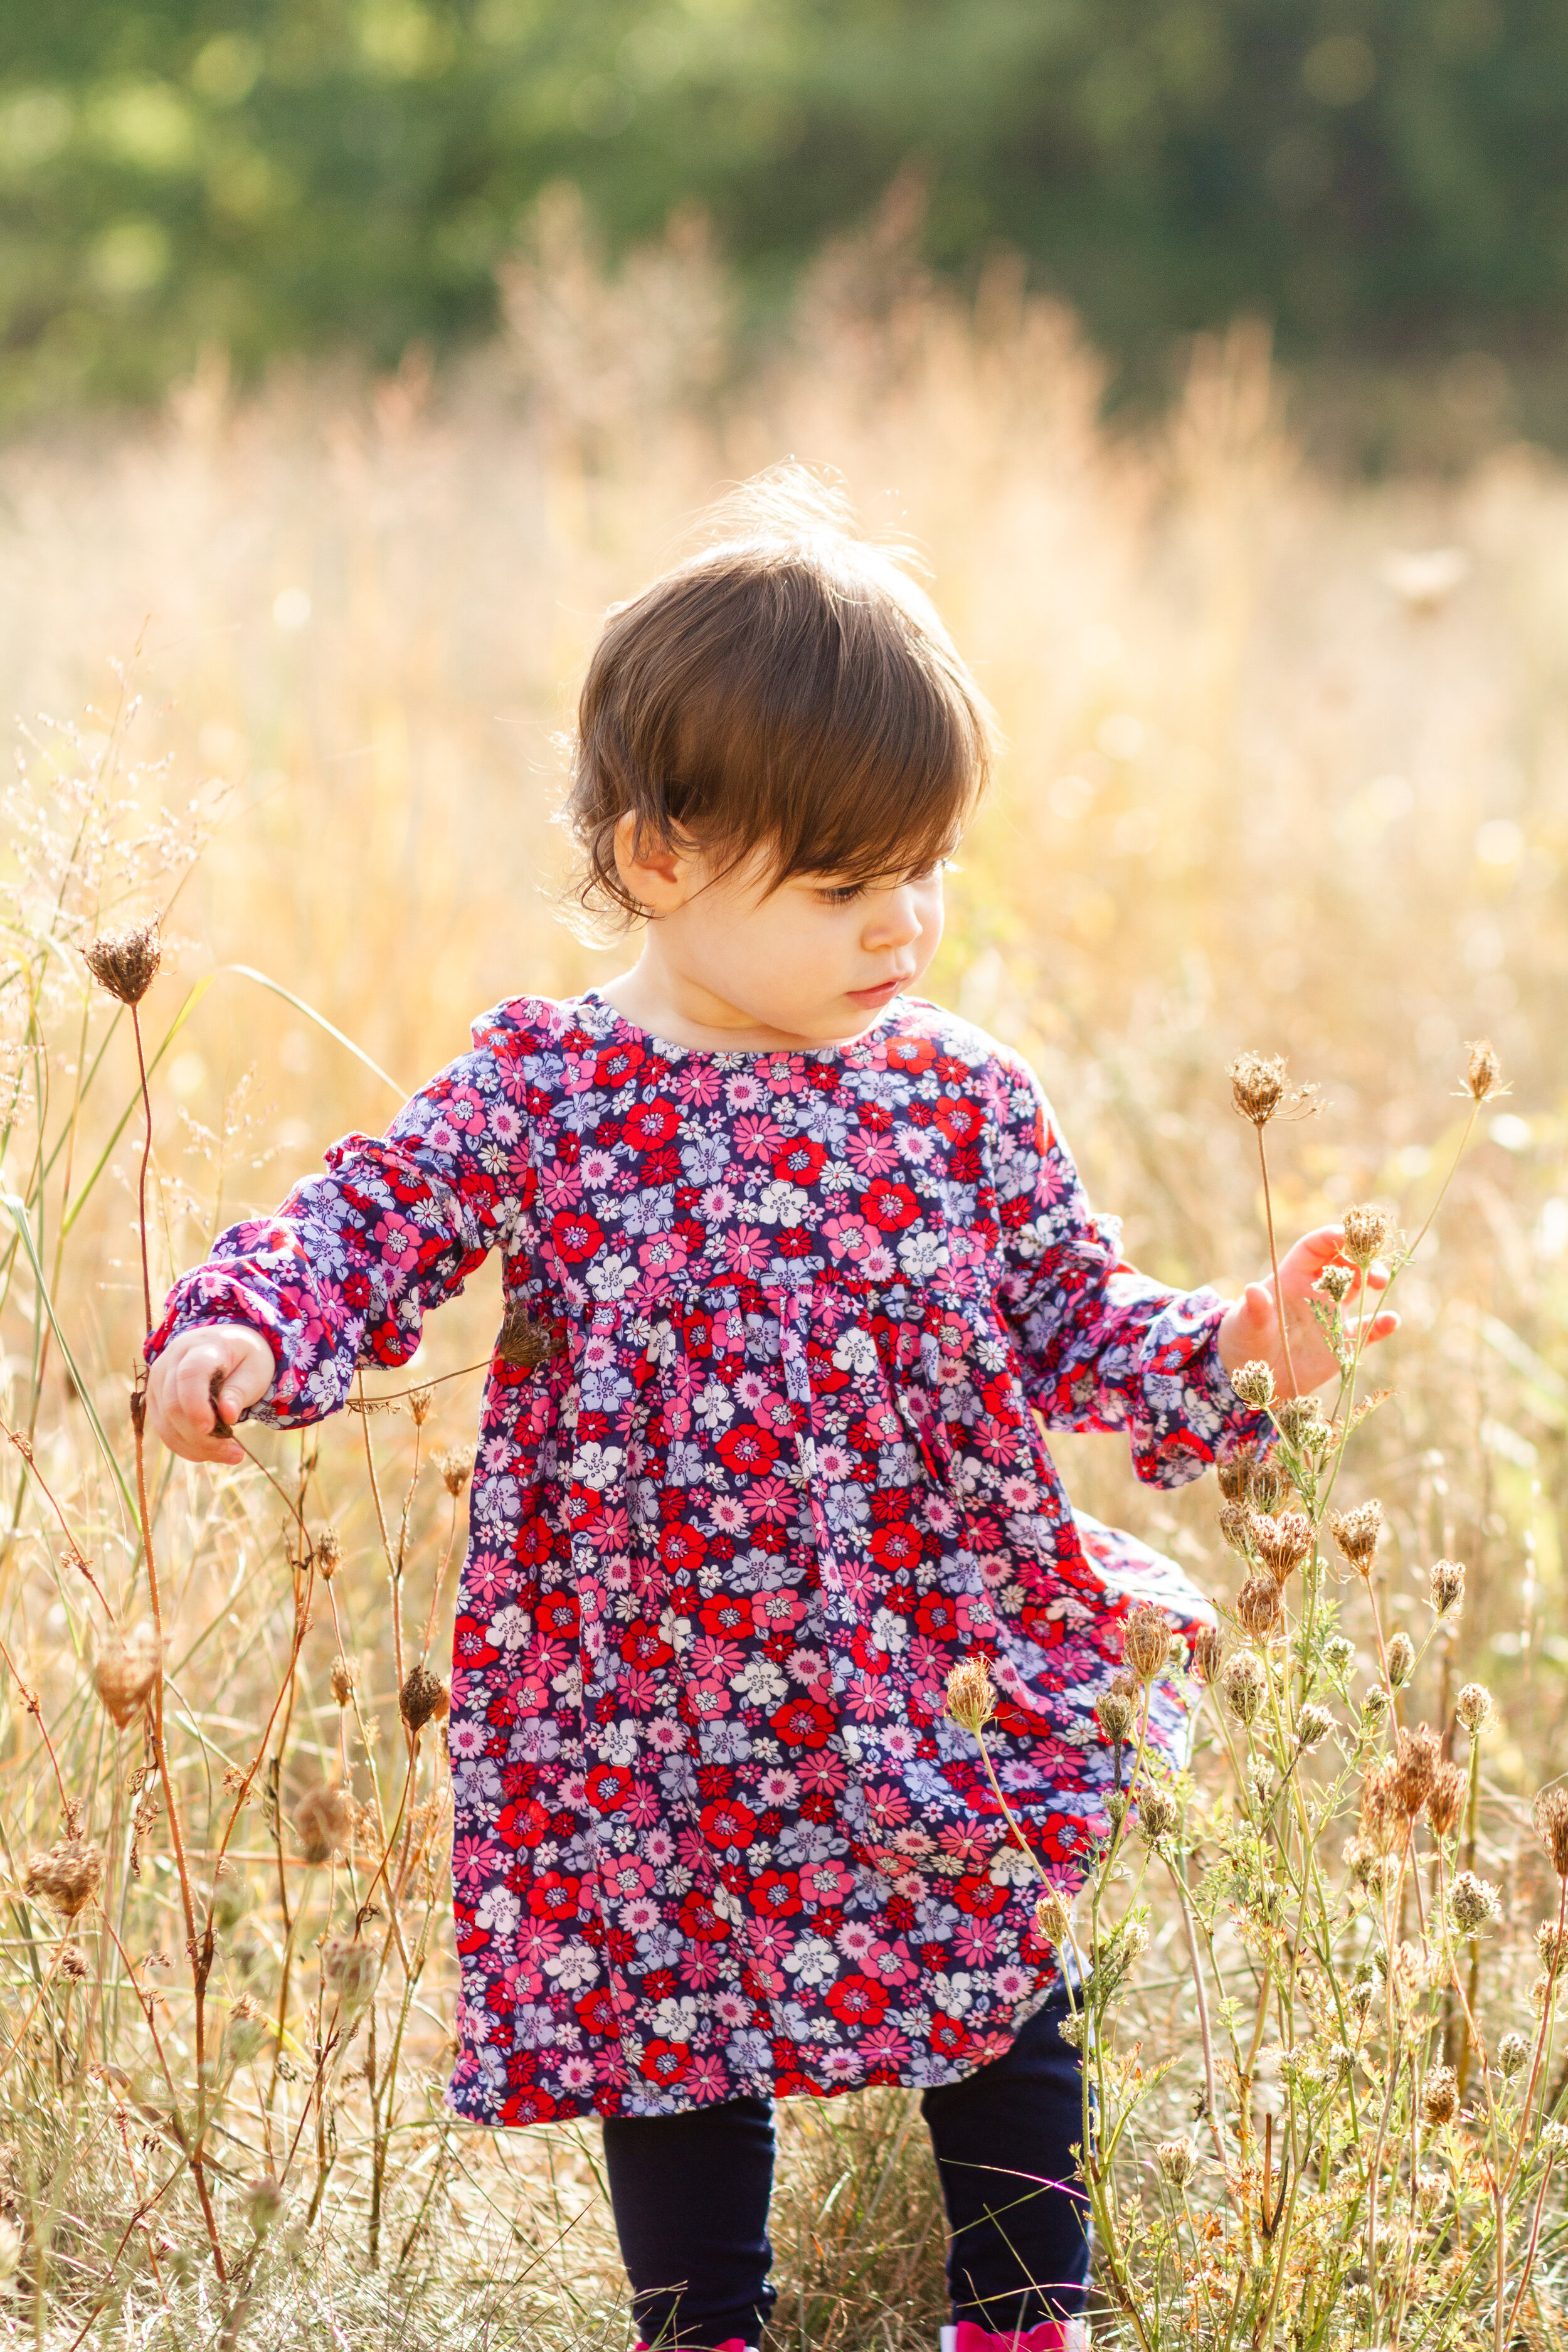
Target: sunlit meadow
1286, 770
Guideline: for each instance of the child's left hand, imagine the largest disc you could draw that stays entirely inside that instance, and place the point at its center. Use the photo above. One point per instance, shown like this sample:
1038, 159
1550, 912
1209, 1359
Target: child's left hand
1251, 1329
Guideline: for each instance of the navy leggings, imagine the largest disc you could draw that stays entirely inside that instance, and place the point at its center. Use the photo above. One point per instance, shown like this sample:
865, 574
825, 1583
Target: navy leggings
691, 2198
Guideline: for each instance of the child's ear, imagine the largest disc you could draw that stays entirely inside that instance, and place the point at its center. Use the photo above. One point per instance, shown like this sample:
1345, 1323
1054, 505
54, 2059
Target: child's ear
655, 872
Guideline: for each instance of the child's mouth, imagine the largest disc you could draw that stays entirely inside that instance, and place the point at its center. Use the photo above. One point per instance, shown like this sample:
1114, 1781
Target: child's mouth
878, 995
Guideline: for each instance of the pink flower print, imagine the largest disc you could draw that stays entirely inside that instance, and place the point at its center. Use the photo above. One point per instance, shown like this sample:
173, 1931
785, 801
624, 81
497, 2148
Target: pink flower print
505, 1123
728, 1516
868, 1698
746, 1092
466, 1111
640, 1918
624, 1878
846, 1238
770, 1939
399, 1243
714, 1660
778, 1786
777, 1613
834, 1463
745, 1250
708, 1700
662, 1254
772, 1499
884, 2046
698, 1083
878, 1264
559, 1188
871, 1154
810, 1667
785, 1074
757, 1139
642, 1807
731, 2009
700, 1968
473, 1861
610, 1531
442, 1136
975, 1941
825, 1883
887, 1806
597, 1169
659, 1846
577, 2074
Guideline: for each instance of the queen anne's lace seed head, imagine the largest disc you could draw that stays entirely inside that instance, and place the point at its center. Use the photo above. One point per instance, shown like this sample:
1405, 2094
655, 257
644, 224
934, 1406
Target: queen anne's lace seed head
126, 1670
1357, 1534
1551, 1820
970, 1697
1175, 2160
1513, 2051
1484, 1069
1447, 1801
1260, 1611
1474, 1708
1242, 1683
323, 1821
125, 962
1281, 1542
423, 1698
1440, 2095
1368, 1230
1146, 1643
67, 1877
1253, 1384
1401, 1660
1473, 1904
1446, 1584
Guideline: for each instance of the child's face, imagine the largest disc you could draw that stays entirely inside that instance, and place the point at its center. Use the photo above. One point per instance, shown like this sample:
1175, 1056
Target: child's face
810, 961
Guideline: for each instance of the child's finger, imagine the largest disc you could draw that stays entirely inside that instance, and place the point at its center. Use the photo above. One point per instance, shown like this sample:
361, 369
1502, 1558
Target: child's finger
1384, 1326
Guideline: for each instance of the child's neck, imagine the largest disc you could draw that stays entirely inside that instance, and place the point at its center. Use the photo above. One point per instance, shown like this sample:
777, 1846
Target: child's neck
657, 995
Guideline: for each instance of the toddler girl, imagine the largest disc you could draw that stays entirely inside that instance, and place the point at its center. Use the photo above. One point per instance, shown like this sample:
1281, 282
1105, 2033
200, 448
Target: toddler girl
794, 1265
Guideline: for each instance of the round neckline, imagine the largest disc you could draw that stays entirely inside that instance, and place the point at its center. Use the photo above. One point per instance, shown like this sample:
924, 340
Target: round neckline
665, 1046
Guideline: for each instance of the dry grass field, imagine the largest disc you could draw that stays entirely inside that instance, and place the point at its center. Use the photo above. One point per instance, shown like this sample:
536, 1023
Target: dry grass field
1287, 767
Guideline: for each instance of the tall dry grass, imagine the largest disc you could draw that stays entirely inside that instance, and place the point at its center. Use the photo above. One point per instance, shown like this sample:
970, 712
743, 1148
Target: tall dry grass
1279, 774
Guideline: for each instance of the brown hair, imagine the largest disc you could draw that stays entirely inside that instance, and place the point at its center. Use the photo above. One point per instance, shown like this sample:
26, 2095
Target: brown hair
788, 688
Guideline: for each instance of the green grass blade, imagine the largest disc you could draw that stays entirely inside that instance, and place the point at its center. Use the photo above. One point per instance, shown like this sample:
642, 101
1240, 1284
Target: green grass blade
183, 1014
248, 971
19, 1218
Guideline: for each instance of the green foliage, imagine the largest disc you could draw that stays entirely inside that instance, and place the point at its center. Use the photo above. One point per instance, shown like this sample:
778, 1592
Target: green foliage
276, 174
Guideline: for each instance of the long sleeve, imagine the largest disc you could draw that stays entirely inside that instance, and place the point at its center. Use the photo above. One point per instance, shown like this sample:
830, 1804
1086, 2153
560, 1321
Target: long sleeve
342, 1274
1103, 1347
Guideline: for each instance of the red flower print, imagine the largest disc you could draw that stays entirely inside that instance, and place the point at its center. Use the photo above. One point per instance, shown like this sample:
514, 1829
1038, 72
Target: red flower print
776, 1894
554, 1896
607, 1787
682, 1548
727, 1613
644, 1645
897, 1547
890, 1207
650, 1123
665, 2063
856, 2001
748, 1450
800, 1161
616, 1064
950, 2037
802, 1723
959, 1119
729, 1822
576, 1236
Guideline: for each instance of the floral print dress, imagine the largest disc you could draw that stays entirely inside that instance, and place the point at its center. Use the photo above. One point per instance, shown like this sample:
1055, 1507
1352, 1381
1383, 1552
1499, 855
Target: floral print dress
760, 1461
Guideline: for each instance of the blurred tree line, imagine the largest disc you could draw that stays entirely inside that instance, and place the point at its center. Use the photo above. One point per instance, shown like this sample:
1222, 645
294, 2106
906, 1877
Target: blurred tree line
1375, 176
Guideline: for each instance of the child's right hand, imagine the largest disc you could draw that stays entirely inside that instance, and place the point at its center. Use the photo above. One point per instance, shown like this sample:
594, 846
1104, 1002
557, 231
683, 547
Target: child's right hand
203, 1377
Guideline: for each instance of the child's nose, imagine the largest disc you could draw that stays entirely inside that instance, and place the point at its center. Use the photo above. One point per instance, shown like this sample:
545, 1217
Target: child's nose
895, 923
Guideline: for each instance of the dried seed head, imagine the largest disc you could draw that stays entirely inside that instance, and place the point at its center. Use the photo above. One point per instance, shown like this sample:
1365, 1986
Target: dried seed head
524, 1342
1401, 1660
1551, 1820
1156, 1812
1208, 1650
1258, 1086
1235, 1526
1368, 1229
347, 1967
1431, 2194
1115, 1712
1553, 2140
1146, 1643
1372, 1703
1473, 1903
1337, 1282
970, 1697
328, 1548
1053, 1917
1281, 1542
1484, 1069
1447, 1801
73, 1961
1363, 1860
1116, 1807
1268, 1486
1357, 1534
1302, 1425
1242, 1683
1377, 1804
1175, 2161
1474, 1708
66, 1877
1445, 1583
1234, 1473
1440, 2095
1253, 1384
1512, 2052
456, 1467
1313, 1724
344, 1678
264, 2200
126, 1671
1260, 1609
323, 1821
423, 1698
1552, 1944
1339, 1655
421, 1405
1417, 1758
248, 2025
125, 962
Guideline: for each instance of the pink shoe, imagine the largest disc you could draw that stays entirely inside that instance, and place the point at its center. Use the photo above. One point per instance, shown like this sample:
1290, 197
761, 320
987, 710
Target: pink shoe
1050, 2336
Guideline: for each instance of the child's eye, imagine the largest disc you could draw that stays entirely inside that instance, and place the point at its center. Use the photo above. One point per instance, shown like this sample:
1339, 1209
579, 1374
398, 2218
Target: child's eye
842, 895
